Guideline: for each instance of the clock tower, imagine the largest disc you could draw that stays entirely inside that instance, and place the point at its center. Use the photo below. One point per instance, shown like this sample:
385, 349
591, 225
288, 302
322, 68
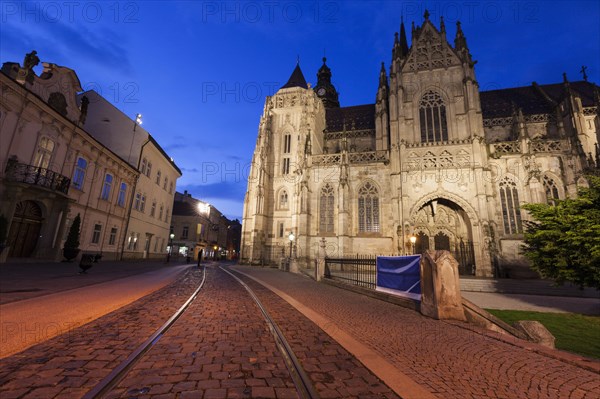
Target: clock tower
324, 89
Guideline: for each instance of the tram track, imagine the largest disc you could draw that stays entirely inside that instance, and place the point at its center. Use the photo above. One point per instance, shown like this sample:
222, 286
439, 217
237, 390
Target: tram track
300, 379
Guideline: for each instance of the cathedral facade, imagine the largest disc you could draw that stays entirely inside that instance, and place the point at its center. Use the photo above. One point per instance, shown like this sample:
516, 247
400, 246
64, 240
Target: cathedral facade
433, 164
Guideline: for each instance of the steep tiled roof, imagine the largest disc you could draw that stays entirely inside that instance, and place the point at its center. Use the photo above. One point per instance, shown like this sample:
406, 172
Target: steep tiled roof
534, 99
296, 80
181, 208
358, 117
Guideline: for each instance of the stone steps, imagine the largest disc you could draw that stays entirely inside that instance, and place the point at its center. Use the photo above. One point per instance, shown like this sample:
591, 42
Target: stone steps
531, 287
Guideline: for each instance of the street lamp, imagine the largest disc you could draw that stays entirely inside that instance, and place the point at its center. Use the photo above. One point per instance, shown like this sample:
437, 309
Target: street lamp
292, 237
215, 252
171, 236
413, 240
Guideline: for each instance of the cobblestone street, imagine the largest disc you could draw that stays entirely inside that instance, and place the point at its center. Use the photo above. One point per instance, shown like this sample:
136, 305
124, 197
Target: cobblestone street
349, 345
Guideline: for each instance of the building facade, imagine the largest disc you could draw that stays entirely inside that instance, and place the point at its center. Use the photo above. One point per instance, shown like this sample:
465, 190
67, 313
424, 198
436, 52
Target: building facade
64, 154
52, 169
433, 158
200, 227
149, 219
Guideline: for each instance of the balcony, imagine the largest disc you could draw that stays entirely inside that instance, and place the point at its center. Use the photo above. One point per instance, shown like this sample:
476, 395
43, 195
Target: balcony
23, 173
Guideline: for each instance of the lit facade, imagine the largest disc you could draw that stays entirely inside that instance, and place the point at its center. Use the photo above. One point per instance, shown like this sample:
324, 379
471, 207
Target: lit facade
433, 158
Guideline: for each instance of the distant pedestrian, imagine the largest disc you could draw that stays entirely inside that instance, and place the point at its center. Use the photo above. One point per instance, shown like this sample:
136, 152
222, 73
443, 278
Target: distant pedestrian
199, 257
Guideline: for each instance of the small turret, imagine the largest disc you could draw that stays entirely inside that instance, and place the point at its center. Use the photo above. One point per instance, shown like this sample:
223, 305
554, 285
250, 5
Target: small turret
324, 88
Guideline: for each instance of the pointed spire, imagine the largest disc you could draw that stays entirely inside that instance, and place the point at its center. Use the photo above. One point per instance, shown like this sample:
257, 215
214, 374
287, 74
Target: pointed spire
403, 42
460, 41
296, 79
442, 26
383, 76
426, 15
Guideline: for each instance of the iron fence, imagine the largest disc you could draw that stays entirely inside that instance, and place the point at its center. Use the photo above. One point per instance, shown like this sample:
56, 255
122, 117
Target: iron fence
359, 270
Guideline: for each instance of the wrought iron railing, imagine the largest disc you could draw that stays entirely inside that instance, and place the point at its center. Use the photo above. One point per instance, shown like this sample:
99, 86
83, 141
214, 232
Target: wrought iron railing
359, 270
23, 173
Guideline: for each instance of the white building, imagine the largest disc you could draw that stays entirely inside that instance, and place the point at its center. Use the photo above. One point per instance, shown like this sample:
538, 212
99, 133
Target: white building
153, 192
433, 157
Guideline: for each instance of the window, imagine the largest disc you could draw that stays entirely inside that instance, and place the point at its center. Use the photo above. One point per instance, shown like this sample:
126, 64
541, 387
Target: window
153, 209
283, 199
286, 166
167, 214
149, 169
113, 236
551, 190
160, 213
122, 195
511, 213
105, 195
136, 203
287, 143
280, 229
44, 153
158, 174
96, 234
368, 208
185, 232
144, 166
326, 209
165, 183
132, 241
170, 187
143, 203
79, 175
432, 116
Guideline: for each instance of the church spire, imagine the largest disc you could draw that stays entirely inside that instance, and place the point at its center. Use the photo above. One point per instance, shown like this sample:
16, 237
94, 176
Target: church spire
296, 79
324, 88
383, 76
403, 42
460, 45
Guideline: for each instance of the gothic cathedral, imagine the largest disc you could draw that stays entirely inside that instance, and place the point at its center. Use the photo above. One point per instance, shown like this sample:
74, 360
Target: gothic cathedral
433, 159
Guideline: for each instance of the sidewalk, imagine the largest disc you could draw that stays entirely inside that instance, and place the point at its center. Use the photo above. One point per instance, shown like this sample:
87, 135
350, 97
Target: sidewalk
19, 281
535, 303
448, 359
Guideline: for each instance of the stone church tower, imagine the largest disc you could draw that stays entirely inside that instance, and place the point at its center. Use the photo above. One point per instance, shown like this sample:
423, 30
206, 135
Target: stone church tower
433, 158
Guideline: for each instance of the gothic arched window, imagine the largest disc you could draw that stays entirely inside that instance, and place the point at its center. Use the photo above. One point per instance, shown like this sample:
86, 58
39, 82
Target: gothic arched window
368, 208
551, 190
283, 199
326, 209
432, 116
511, 213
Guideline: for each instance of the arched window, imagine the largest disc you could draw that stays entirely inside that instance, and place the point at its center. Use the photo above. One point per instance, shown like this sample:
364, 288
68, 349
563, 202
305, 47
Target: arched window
432, 115
287, 143
326, 209
44, 153
511, 213
158, 177
551, 190
106, 187
368, 208
283, 199
422, 243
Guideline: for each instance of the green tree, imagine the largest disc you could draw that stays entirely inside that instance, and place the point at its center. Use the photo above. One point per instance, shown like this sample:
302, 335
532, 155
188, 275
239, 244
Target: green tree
72, 241
563, 240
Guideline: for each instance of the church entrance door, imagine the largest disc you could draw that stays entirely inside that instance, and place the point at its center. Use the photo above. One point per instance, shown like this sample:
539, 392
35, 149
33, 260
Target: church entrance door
442, 224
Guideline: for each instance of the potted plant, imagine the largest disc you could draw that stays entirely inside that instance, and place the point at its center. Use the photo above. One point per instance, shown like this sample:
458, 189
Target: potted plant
71, 247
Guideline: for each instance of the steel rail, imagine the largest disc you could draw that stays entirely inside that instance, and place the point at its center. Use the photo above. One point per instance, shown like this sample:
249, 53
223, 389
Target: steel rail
304, 385
118, 373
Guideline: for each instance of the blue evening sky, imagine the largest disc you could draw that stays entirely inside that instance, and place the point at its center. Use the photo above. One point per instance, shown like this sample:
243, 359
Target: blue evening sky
199, 71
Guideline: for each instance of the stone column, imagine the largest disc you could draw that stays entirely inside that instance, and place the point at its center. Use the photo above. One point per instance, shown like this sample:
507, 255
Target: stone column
440, 286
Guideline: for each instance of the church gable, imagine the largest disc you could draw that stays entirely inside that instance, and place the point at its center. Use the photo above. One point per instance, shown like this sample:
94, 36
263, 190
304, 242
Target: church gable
430, 50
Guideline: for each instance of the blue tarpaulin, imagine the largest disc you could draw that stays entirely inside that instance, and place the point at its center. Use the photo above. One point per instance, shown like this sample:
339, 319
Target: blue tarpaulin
400, 275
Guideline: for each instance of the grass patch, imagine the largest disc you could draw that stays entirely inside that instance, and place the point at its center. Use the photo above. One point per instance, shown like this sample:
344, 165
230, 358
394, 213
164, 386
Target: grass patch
573, 332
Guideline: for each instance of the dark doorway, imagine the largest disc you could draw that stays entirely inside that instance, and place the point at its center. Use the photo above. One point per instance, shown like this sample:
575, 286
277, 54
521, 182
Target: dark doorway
25, 229
422, 243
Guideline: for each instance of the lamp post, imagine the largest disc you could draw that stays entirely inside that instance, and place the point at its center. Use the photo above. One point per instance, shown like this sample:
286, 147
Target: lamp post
215, 252
171, 236
291, 237
413, 240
